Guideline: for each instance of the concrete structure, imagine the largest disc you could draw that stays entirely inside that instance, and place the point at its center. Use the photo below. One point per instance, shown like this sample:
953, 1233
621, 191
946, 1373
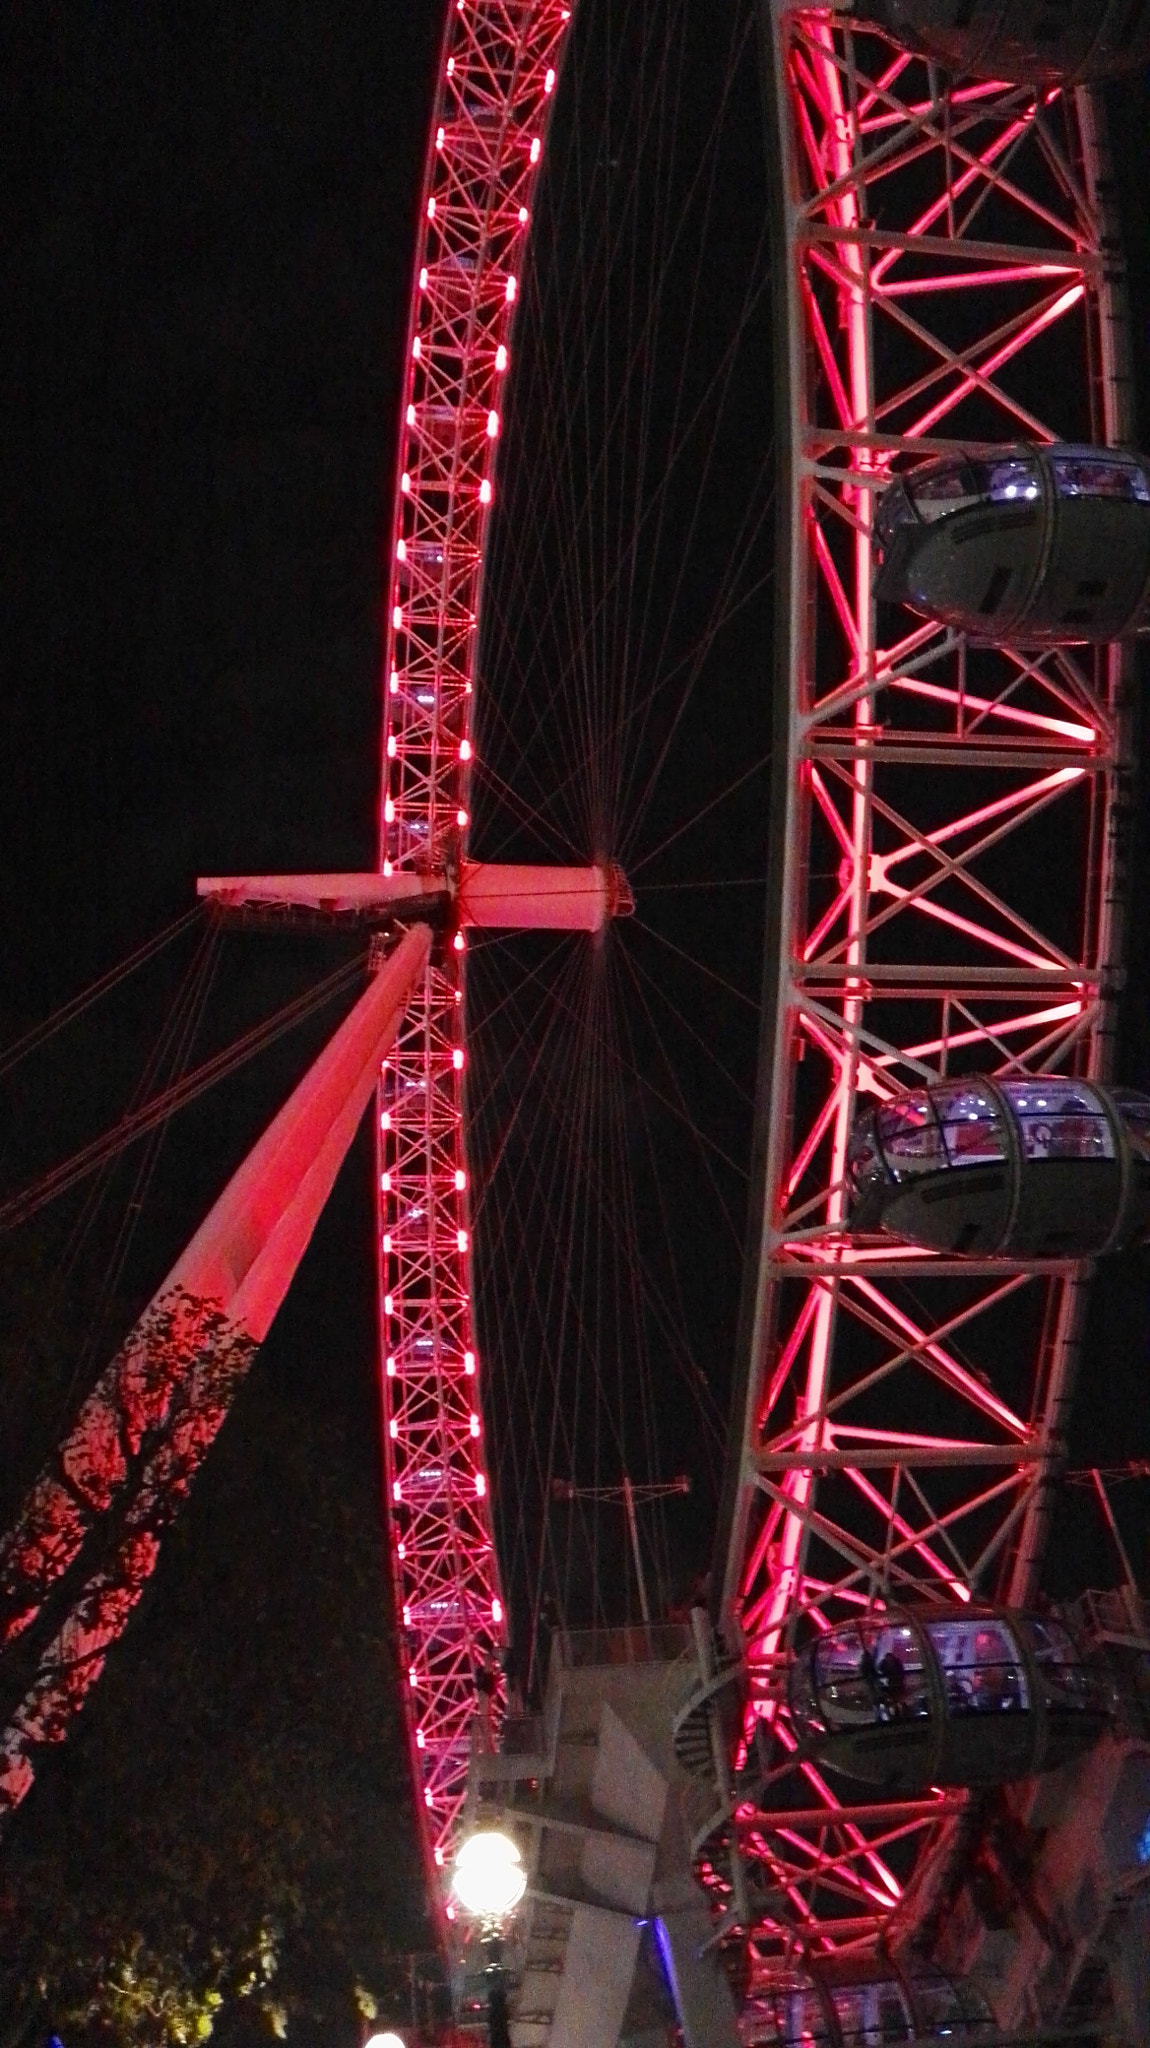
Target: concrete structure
610, 1792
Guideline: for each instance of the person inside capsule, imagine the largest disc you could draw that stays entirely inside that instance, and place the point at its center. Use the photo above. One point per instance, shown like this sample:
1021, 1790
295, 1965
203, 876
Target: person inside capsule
1050, 545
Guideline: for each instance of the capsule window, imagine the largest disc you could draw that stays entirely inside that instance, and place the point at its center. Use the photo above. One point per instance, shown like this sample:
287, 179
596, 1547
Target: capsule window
909, 1135
895, 510
1134, 1112
981, 1668
807, 2023
870, 2014
972, 1126
1099, 476
870, 1673
1065, 1681
938, 490
1060, 1119
1014, 479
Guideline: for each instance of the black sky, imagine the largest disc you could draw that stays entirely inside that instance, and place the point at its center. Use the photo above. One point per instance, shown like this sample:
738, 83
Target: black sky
208, 222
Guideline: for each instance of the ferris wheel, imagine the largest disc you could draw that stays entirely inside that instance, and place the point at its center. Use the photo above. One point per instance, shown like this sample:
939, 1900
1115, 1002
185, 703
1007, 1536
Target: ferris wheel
949, 795
947, 892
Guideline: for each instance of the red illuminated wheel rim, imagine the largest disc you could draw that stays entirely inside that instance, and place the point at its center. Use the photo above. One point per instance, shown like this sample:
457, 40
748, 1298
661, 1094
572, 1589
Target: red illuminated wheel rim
496, 82
946, 900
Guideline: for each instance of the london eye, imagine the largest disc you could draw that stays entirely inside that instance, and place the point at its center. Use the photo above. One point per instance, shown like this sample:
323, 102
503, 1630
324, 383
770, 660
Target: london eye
846, 1787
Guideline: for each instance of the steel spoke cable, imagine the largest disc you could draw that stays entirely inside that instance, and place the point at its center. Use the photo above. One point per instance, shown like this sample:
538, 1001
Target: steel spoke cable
18, 1208
640, 925
706, 1144
638, 703
697, 1037
180, 1053
39, 1034
49, 1304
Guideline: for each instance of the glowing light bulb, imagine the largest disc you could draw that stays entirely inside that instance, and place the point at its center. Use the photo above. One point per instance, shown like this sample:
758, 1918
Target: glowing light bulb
549, 82
489, 1879
536, 149
501, 357
485, 492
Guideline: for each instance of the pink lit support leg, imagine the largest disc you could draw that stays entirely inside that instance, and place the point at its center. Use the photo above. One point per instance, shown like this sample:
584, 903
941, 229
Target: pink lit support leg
143, 1431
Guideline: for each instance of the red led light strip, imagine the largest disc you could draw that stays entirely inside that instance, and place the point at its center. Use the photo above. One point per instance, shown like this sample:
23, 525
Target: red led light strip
497, 79
933, 250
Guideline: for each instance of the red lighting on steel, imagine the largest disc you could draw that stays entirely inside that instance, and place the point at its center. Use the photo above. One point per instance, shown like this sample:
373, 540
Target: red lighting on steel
497, 76
927, 787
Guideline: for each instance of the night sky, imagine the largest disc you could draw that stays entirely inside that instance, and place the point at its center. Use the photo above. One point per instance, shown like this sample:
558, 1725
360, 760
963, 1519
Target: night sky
209, 221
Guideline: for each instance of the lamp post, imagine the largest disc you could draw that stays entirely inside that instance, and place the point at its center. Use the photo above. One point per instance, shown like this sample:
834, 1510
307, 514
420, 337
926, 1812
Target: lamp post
488, 1882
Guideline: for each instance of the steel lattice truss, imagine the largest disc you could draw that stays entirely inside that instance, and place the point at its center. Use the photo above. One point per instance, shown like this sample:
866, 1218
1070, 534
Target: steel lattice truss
496, 83
949, 901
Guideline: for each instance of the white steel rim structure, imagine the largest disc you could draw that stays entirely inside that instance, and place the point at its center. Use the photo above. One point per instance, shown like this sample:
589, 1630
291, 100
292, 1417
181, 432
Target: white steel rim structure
913, 772
823, 1512
496, 80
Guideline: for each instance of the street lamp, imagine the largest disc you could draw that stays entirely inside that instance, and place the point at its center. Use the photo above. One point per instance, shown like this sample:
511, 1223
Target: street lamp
385, 2041
489, 1879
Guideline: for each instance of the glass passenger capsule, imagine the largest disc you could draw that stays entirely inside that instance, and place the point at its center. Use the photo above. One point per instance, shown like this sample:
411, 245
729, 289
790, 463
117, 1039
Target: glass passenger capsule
1040, 546
956, 1695
1025, 42
862, 2003
1041, 1166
